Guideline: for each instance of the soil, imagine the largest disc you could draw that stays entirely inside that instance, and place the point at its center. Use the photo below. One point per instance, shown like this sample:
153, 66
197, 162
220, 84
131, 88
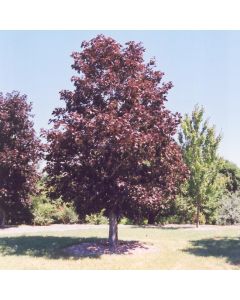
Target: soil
100, 248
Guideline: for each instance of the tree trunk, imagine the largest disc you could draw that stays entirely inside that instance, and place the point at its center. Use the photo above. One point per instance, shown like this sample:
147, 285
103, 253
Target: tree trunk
2, 217
113, 230
198, 214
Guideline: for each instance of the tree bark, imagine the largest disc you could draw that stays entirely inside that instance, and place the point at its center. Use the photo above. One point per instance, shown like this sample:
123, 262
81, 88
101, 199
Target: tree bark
2, 217
198, 214
113, 230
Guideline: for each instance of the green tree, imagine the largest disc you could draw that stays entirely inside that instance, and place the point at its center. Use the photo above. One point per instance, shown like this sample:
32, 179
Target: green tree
232, 173
200, 144
229, 209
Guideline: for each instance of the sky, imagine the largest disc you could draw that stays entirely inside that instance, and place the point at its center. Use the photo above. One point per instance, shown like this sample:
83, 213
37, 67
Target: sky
204, 67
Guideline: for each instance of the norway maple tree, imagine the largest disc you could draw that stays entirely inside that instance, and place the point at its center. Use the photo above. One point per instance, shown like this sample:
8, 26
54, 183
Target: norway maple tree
200, 144
112, 145
19, 154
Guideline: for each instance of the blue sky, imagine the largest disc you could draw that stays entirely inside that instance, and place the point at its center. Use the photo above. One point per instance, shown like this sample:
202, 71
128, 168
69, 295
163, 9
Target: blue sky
204, 67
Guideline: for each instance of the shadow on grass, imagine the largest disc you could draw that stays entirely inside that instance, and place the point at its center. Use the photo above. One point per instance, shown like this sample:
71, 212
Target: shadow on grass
225, 247
54, 247
7, 227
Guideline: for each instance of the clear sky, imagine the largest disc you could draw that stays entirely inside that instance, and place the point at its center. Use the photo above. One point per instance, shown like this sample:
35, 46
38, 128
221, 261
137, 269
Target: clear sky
204, 67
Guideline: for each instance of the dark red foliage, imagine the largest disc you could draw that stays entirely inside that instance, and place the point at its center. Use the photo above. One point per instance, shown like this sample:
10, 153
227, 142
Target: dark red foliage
19, 154
112, 145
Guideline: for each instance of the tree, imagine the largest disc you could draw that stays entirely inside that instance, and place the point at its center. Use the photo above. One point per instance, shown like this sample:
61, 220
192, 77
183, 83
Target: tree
19, 154
200, 144
112, 145
229, 209
232, 173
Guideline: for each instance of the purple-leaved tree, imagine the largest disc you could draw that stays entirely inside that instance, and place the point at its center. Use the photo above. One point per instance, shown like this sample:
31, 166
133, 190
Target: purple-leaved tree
112, 146
19, 154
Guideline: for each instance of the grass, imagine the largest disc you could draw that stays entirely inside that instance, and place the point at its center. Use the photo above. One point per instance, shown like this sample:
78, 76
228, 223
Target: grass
176, 248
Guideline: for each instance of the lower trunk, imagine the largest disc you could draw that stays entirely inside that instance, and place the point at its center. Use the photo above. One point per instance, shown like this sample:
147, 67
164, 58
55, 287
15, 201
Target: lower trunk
113, 230
198, 214
2, 217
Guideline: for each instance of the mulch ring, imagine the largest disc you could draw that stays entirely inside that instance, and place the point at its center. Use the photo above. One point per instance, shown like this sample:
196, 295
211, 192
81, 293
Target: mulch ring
102, 247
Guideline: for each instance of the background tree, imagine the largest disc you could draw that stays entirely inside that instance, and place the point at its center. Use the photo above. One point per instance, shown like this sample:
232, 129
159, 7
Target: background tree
200, 144
232, 173
19, 154
229, 209
112, 145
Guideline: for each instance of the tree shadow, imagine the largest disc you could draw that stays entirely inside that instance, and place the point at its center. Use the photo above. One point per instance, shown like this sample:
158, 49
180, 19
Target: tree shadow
38, 246
54, 247
225, 247
7, 227
98, 248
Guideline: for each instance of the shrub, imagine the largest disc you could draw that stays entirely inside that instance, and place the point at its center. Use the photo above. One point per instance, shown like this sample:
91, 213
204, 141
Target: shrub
43, 214
142, 221
97, 218
46, 212
65, 213
229, 210
126, 221
175, 219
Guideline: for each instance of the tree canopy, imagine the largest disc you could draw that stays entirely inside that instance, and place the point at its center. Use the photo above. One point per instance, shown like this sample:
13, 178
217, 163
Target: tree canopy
200, 144
232, 173
19, 154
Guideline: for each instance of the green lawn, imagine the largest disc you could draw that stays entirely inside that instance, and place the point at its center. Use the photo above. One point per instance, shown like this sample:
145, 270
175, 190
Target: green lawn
176, 248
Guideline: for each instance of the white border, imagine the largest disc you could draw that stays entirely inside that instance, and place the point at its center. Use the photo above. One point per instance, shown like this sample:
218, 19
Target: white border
119, 285
115, 15
121, 14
